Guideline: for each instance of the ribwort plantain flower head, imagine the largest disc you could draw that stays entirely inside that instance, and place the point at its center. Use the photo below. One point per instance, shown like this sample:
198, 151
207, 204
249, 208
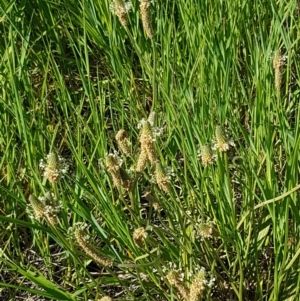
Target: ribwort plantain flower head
223, 143
207, 156
121, 8
113, 161
278, 59
46, 206
147, 139
198, 285
146, 131
162, 178
55, 167
142, 160
151, 118
106, 298
123, 141
82, 239
147, 125
139, 236
52, 207
278, 63
146, 17
175, 280
206, 229
113, 165
119, 176
37, 205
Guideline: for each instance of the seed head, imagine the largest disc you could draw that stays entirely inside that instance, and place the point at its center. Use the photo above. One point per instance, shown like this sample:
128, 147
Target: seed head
146, 17
53, 161
112, 162
52, 207
46, 206
119, 176
55, 168
123, 142
278, 60
139, 236
37, 205
106, 298
151, 118
207, 156
162, 179
223, 143
278, 63
291, 241
198, 285
116, 178
155, 206
113, 167
146, 132
142, 160
82, 240
147, 145
174, 280
120, 8
150, 149
207, 230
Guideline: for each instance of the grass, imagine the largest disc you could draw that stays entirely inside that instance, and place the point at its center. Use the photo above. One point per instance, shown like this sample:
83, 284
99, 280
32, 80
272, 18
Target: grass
71, 76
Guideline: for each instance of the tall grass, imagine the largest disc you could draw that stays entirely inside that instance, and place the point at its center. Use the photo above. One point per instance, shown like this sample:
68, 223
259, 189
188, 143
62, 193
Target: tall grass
72, 76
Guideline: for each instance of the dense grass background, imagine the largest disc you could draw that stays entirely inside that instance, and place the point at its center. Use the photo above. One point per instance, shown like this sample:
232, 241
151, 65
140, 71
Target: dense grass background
71, 76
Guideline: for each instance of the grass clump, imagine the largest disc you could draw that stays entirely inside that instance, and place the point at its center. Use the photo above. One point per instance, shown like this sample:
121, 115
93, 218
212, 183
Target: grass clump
200, 201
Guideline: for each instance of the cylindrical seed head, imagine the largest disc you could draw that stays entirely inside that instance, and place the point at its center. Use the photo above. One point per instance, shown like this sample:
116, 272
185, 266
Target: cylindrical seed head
90, 249
162, 178
207, 155
175, 281
139, 236
52, 169
37, 205
142, 160
121, 12
146, 17
223, 142
111, 162
198, 285
278, 63
123, 142
146, 132
106, 298
113, 168
207, 230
